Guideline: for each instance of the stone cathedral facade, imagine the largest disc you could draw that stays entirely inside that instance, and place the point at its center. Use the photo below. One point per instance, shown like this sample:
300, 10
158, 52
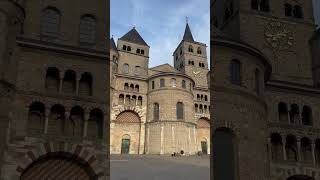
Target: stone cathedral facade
265, 90
163, 109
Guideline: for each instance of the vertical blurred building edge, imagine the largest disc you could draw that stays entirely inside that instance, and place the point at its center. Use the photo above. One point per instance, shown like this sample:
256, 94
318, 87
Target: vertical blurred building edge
265, 90
54, 84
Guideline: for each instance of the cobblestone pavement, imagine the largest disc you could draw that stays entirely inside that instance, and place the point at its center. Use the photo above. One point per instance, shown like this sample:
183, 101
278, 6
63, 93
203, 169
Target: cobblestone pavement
153, 167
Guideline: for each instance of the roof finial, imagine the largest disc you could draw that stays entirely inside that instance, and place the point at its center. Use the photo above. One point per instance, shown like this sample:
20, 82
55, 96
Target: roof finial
112, 35
186, 19
134, 26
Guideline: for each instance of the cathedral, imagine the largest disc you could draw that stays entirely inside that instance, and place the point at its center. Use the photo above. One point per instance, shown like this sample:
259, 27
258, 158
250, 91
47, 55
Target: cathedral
265, 90
162, 109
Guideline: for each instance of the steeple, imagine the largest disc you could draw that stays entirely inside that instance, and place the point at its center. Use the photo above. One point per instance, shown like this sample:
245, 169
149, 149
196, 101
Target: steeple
187, 34
134, 37
113, 44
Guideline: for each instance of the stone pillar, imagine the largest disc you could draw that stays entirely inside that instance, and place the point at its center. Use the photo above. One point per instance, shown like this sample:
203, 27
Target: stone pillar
66, 116
85, 123
299, 148
284, 141
313, 146
148, 140
46, 121
173, 139
161, 140
60, 84
269, 148
142, 138
77, 86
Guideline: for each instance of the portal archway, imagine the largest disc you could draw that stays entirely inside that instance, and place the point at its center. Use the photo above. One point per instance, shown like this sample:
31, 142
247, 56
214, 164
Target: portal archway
59, 165
125, 144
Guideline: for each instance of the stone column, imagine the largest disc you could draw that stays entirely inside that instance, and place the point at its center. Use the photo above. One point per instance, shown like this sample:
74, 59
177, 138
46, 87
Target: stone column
161, 140
148, 140
46, 121
61, 81
173, 139
299, 148
269, 148
313, 146
77, 86
284, 141
85, 123
66, 116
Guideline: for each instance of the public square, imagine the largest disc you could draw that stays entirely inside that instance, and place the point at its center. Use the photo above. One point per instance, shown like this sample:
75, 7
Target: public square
155, 167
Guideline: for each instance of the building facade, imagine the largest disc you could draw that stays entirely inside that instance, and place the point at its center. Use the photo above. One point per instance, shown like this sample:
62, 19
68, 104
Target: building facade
53, 64
265, 90
159, 110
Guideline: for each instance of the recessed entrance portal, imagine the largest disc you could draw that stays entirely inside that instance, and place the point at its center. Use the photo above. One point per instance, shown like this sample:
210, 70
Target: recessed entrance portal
204, 147
125, 144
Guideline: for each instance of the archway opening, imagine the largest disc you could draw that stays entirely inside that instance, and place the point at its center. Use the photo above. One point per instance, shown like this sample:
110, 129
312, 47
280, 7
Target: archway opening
59, 165
125, 144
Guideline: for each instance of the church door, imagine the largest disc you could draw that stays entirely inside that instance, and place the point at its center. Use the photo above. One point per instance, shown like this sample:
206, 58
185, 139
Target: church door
125, 146
204, 147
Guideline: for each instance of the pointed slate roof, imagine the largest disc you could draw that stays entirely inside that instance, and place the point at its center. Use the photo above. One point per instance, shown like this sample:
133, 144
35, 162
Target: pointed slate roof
134, 37
113, 44
187, 34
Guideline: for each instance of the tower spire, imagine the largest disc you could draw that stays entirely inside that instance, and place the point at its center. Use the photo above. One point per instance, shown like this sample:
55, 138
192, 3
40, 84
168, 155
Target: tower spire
187, 33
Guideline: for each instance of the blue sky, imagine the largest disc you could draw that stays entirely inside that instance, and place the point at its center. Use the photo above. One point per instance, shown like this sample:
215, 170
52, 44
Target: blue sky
161, 23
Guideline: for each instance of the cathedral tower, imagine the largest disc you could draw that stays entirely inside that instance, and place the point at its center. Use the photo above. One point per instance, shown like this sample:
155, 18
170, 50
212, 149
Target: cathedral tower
277, 28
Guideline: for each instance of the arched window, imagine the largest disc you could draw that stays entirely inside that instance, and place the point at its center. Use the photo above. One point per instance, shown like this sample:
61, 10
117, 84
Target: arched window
126, 86
306, 150
196, 108
257, 83
87, 30
139, 101
95, 124
288, 9
50, 23
162, 83
205, 98
36, 118
152, 84
173, 82
125, 69
306, 115
199, 50
198, 97
127, 100
156, 111
200, 108
121, 99
294, 113
254, 4
291, 148
52, 79
264, 5
85, 84
128, 48
133, 101
276, 147
190, 49
138, 51
205, 109
124, 47
297, 11
283, 112
235, 72
74, 125
142, 51
131, 87
69, 82
56, 120
180, 111
137, 88
183, 84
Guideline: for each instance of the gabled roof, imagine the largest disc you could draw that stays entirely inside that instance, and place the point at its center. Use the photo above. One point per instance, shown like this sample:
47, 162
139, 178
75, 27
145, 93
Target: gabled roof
187, 34
113, 44
164, 68
134, 37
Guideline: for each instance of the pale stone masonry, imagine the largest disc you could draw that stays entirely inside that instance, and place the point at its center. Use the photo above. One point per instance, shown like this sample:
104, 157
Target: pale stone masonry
159, 110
